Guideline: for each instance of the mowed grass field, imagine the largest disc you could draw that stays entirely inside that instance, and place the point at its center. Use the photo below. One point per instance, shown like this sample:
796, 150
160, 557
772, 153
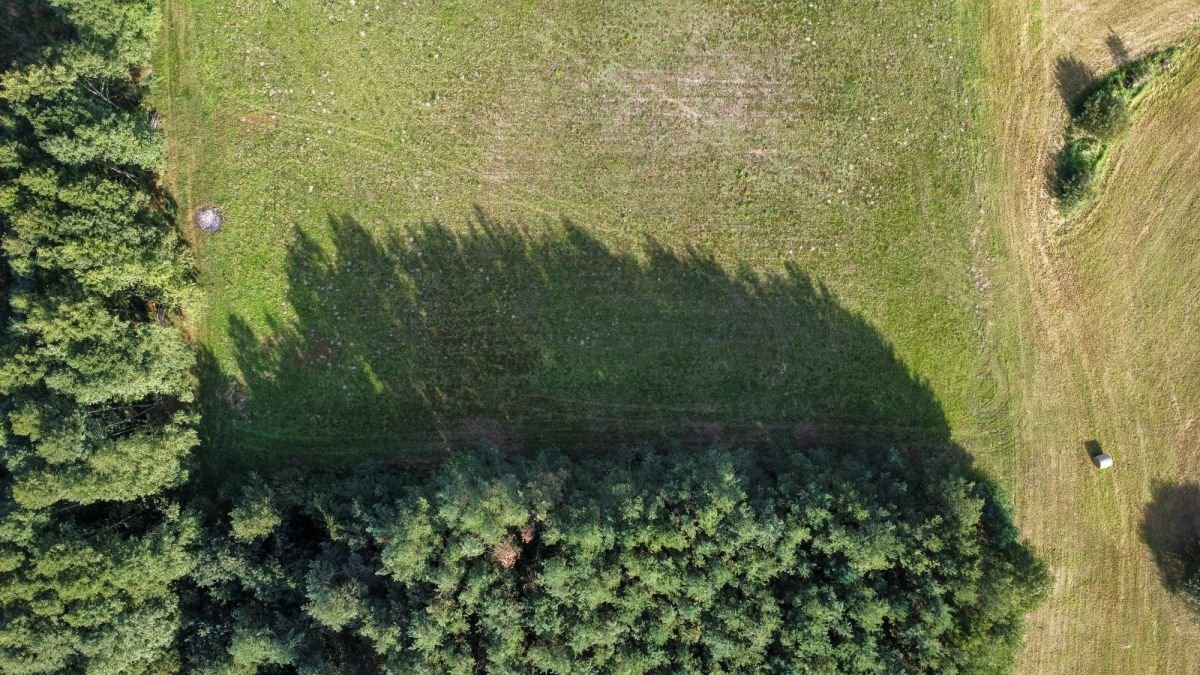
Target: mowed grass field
1096, 337
584, 223
580, 223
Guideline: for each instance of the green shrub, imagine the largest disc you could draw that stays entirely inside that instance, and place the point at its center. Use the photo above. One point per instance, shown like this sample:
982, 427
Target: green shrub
1105, 114
1098, 121
1139, 73
1189, 588
258, 648
256, 516
1188, 579
1076, 171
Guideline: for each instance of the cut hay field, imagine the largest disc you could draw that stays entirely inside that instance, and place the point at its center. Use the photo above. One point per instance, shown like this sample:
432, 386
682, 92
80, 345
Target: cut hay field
1096, 335
580, 223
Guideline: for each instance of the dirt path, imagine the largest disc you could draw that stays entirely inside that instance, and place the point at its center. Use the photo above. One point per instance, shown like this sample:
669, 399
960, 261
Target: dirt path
1108, 611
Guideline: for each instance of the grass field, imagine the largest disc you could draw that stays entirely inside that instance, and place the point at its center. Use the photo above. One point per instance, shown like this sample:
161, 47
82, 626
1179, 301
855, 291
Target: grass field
606, 221
579, 222
1095, 336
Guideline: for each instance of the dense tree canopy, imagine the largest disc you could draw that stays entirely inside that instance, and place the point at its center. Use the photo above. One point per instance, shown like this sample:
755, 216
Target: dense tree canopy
93, 377
91, 593
718, 561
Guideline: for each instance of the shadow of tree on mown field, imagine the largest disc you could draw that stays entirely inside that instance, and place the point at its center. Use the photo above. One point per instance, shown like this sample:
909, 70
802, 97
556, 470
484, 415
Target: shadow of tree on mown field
1171, 528
1116, 48
1074, 79
434, 338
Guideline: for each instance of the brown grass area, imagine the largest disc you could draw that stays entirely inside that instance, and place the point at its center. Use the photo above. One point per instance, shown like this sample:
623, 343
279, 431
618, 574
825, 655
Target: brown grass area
1085, 27
1083, 354
258, 122
706, 98
506, 553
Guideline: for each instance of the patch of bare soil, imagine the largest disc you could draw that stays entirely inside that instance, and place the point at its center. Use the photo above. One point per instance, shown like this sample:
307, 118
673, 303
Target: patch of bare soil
703, 97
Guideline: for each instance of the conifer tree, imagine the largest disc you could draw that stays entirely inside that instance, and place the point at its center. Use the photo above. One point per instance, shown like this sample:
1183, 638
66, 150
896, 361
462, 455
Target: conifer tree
94, 378
722, 561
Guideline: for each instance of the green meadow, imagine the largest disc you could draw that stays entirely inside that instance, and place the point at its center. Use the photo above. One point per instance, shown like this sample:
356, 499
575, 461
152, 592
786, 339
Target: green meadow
569, 223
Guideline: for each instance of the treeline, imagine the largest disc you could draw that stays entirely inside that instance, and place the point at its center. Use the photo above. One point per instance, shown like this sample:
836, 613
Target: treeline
636, 561
1098, 121
94, 376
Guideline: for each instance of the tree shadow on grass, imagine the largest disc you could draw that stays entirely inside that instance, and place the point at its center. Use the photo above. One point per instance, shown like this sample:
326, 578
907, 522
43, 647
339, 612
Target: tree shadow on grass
1074, 79
430, 338
1116, 48
1171, 528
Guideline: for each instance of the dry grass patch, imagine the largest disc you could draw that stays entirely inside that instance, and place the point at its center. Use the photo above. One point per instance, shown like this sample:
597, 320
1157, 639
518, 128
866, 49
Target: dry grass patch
1083, 354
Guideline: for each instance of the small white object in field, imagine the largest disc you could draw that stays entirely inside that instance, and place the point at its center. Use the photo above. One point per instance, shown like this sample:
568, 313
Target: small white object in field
209, 219
1103, 461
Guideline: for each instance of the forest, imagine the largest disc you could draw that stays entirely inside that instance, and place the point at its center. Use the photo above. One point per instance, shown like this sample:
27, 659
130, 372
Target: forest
782, 554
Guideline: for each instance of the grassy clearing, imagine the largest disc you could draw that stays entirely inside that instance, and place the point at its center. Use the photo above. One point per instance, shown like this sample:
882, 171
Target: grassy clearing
1093, 335
630, 171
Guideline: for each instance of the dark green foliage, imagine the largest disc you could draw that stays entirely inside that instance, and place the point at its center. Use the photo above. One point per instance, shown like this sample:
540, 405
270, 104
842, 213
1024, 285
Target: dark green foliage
88, 363
1105, 114
1077, 169
93, 378
1099, 120
92, 589
255, 515
641, 561
1189, 589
